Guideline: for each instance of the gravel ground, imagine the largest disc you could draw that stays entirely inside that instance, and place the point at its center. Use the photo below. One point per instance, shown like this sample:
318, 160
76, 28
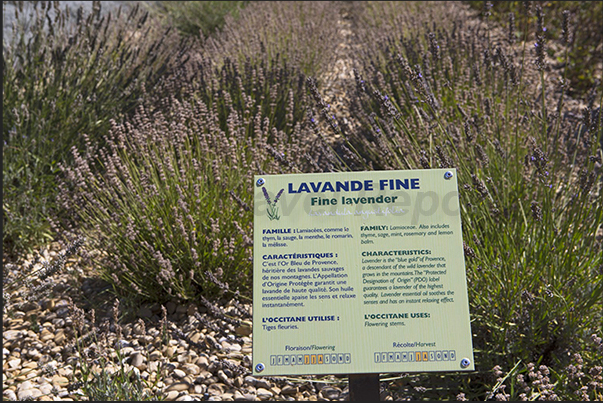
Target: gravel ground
205, 357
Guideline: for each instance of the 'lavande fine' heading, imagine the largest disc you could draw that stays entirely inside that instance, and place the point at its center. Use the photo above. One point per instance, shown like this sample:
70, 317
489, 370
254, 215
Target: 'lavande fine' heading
354, 186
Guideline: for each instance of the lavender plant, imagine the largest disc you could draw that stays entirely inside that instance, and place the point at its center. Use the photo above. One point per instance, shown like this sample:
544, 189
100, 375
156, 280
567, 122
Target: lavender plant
177, 177
271, 208
575, 23
196, 18
27, 283
529, 172
164, 210
64, 75
98, 350
166, 194
280, 33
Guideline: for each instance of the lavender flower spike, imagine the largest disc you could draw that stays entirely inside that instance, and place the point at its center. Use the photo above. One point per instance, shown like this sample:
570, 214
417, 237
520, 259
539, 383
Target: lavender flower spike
272, 210
278, 195
266, 195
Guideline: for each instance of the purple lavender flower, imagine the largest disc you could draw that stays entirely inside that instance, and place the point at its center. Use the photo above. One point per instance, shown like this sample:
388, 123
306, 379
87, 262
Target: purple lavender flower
266, 195
272, 210
540, 39
278, 195
565, 27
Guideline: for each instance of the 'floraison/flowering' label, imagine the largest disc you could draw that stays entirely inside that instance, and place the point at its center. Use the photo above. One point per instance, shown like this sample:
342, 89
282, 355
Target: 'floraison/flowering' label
359, 272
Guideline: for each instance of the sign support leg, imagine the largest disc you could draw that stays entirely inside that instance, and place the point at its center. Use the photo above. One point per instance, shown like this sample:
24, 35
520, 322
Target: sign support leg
364, 387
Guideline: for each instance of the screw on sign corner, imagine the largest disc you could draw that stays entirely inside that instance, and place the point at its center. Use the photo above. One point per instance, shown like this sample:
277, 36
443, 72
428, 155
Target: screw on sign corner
259, 367
465, 363
260, 182
448, 175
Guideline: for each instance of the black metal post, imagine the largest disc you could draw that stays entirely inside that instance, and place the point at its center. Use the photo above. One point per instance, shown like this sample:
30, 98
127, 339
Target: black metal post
364, 387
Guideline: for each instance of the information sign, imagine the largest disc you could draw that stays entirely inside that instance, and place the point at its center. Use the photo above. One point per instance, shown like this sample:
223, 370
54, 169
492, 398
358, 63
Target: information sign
359, 272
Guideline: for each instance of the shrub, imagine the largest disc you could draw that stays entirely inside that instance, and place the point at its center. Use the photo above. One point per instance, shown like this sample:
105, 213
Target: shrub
196, 18
572, 26
279, 33
102, 370
173, 211
61, 79
444, 95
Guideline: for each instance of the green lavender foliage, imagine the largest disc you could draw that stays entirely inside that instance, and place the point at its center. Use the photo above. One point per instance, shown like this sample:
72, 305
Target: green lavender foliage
197, 18
175, 201
280, 33
173, 207
164, 211
529, 173
123, 384
584, 35
64, 75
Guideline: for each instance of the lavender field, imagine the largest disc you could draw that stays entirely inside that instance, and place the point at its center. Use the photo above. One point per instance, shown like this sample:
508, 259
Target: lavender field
132, 132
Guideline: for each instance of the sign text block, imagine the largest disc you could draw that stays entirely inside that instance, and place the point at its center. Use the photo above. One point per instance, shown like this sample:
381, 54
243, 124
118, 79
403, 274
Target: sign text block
359, 272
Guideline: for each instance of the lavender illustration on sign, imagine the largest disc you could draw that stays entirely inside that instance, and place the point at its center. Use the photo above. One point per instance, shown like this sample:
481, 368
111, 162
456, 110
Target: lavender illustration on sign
272, 210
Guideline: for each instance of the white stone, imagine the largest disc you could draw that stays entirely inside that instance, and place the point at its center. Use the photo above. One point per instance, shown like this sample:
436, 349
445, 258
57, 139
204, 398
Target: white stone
171, 395
264, 394
14, 363
191, 369
137, 360
155, 355
23, 393
178, 373
126, 351
262, 383
46, 389
222, 376
215, 389
330, 393
178, 386
11, 334
202, 362
24, 386
153, 365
